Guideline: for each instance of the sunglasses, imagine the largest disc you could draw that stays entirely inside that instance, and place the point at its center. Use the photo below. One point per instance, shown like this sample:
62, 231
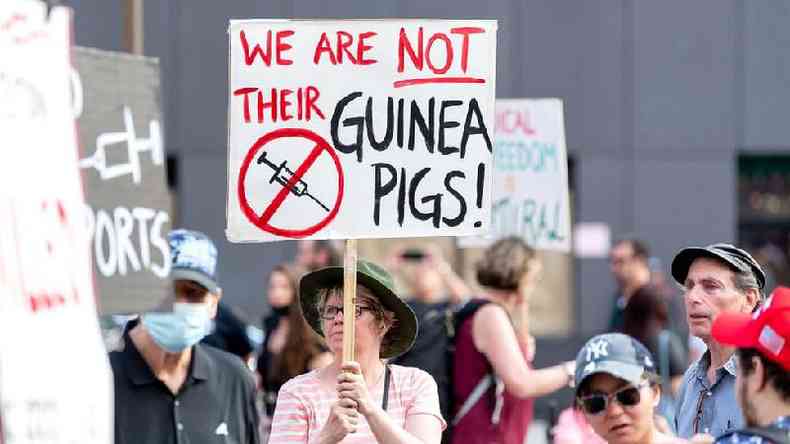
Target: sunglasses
597, 403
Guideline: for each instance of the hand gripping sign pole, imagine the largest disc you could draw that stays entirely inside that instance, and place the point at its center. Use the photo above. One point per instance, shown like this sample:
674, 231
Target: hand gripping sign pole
349, 298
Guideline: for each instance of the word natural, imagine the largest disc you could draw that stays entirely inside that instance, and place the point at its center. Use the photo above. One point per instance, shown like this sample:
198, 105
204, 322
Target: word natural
535, 221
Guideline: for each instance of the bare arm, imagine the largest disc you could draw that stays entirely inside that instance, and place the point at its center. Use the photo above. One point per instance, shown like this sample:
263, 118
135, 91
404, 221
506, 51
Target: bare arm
494, 336
419, 429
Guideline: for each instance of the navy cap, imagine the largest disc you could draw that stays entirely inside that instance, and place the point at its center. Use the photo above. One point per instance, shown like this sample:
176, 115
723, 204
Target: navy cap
194, 258
734, 257
615, 354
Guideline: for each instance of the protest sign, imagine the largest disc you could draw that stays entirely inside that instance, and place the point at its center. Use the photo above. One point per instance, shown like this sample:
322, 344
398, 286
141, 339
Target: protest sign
344, 129
531, 198
55, 382
123, 169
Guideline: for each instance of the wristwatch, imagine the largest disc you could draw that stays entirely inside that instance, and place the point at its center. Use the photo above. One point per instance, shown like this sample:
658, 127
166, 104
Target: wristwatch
570, 370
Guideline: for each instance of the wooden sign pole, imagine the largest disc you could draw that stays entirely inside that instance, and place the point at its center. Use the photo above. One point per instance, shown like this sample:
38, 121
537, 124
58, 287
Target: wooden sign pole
349, 298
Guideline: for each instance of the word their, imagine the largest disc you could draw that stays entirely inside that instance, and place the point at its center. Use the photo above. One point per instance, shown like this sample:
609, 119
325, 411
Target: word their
277, 103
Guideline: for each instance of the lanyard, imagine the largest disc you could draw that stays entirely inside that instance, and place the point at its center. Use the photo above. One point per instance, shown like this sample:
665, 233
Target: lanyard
386, 387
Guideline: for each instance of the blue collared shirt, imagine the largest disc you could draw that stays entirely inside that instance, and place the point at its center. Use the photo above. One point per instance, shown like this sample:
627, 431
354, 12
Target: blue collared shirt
782, 423
712, 407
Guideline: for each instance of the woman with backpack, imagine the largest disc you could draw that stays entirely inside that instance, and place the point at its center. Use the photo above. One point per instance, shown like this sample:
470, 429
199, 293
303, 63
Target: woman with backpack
493, 384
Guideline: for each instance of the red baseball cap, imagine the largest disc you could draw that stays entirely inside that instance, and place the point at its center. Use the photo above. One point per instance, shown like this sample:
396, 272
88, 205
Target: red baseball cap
767, 329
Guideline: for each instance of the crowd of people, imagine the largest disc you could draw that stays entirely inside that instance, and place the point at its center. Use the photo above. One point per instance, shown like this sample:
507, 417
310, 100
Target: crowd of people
453, 365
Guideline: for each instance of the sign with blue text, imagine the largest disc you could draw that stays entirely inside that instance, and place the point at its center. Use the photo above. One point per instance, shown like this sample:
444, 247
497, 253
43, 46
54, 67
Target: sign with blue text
531, 198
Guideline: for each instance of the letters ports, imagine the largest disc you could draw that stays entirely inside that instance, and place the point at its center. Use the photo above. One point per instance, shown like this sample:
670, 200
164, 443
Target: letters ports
116, 247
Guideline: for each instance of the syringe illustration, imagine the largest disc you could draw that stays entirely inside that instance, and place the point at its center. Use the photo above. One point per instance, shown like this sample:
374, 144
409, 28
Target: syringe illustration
283, 174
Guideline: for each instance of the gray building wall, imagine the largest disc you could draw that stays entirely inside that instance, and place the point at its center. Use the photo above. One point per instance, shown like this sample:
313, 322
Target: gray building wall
660, 98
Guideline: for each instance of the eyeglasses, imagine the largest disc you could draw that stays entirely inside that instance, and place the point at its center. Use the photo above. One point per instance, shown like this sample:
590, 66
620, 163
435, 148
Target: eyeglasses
597, 403
331, 311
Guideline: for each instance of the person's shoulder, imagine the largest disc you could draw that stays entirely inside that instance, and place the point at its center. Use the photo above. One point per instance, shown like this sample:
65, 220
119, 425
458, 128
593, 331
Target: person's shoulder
413, 374
223, 359
692, 369
688, 377
226, 364
741, 437
491, 311
663, 438
116, 357
120, 355
306, 382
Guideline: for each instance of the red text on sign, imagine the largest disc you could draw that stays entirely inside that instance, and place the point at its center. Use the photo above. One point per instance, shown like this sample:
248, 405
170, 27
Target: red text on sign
41, 254
510, 121
426, 53
279, 103
280, 47
344, 43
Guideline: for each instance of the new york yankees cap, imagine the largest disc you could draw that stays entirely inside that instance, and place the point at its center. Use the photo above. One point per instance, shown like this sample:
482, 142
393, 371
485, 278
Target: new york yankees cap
615, 354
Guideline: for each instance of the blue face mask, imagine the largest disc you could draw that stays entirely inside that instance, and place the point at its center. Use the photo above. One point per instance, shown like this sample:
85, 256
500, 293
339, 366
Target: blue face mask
182, 328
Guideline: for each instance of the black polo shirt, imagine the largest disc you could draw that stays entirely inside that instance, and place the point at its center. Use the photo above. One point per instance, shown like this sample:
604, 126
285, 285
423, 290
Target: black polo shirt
216, 404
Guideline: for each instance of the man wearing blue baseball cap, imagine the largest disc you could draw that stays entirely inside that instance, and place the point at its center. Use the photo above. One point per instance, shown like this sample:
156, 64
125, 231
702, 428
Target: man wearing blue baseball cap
168, 387
716, 278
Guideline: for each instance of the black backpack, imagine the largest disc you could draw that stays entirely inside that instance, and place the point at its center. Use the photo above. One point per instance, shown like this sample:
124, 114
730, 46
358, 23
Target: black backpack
434, 348
773, 434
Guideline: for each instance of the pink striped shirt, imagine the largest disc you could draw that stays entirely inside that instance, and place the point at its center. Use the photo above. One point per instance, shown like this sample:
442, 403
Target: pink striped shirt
303, 405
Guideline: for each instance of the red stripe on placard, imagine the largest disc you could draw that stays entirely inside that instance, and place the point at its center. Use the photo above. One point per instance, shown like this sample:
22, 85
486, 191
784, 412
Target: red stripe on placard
410, 82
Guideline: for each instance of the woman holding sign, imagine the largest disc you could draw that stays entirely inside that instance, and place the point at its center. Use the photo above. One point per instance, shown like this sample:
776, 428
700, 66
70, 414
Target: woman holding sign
364, 399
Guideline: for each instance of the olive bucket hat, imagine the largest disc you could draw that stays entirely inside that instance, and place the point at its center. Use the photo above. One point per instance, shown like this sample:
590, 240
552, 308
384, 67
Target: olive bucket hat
376, 279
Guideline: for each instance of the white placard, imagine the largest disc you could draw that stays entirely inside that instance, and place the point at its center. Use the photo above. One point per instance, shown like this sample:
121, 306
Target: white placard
531, 198
55, 380
355, 129
592, 240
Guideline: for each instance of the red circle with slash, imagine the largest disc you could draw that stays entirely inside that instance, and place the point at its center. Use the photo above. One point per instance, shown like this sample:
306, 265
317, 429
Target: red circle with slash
262, 221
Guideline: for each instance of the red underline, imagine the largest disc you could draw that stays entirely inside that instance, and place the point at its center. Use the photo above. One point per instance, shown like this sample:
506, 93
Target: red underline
409, 82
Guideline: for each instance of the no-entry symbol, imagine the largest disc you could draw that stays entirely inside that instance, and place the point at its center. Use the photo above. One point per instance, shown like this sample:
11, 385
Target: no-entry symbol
289, 179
